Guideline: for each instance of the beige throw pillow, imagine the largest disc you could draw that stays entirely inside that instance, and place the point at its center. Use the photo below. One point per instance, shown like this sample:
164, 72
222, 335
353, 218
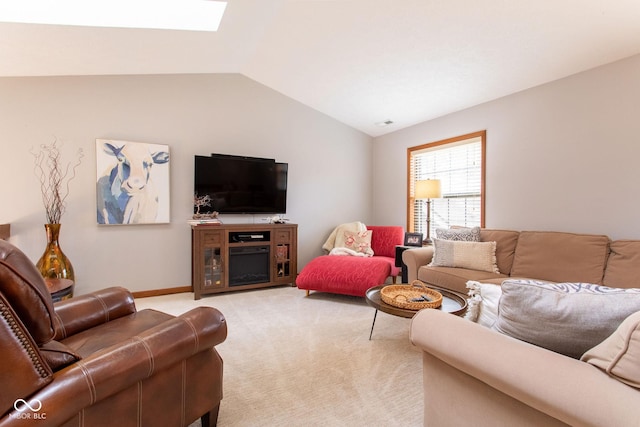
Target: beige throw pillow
619, 355
568, 318
472, 255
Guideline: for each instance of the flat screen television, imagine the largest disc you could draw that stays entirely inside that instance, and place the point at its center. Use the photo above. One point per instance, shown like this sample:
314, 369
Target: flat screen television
241, 185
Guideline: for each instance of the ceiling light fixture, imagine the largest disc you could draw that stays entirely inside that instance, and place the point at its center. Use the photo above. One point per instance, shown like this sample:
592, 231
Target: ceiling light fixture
193, 15
385, 123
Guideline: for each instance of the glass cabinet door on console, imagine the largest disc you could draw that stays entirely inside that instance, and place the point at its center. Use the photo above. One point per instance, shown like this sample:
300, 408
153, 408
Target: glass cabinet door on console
208, 253
282, 260
284, 250
212, 267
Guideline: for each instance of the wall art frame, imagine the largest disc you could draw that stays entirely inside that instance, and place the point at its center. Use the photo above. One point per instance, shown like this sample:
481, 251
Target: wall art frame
132, 182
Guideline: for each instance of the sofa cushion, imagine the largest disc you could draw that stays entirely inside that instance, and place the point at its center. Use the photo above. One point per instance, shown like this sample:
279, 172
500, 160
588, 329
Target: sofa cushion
483, 302
58, 355
623, 265
90, 341
395, 271
453, 278
561, 257
506, 241
463, 234
568, 318
472, 255
619, 354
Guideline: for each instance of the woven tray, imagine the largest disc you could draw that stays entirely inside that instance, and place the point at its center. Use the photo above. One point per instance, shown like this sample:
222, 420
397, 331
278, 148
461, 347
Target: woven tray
415, 296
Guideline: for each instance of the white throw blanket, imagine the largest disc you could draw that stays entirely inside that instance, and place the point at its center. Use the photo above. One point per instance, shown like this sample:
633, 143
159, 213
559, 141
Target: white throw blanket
346, 251
355, 227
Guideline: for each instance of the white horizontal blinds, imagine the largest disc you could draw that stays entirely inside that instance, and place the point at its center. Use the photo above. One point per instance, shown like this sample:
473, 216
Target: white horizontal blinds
458, 166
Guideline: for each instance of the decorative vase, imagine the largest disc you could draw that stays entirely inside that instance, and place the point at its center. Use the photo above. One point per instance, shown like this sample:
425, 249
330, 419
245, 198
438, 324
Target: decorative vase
55, 267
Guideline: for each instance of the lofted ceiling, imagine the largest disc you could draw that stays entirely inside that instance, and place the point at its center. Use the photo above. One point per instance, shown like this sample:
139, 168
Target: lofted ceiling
359, 61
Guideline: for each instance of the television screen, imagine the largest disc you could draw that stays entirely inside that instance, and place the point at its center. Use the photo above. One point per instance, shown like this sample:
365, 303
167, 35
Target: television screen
239, 184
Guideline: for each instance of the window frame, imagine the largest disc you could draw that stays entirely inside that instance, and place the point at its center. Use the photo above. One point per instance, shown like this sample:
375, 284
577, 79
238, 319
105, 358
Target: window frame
442, 143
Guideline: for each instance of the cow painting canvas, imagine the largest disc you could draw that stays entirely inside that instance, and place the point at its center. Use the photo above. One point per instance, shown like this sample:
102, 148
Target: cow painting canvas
132, 182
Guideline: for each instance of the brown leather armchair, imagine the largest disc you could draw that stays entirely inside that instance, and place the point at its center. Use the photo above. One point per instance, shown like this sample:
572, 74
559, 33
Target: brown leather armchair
93, 360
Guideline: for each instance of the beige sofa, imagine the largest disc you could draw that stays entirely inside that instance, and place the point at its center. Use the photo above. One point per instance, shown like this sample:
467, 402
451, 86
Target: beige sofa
550, 256
476, 376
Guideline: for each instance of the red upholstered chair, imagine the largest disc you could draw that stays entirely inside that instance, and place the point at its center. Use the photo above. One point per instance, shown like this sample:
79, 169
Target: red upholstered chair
353, 275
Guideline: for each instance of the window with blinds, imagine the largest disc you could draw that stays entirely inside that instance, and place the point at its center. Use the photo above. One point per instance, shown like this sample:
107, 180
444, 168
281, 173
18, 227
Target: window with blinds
459, 165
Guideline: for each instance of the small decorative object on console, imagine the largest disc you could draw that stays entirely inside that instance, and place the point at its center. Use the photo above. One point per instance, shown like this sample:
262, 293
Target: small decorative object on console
277, 219
200, 201
203, 218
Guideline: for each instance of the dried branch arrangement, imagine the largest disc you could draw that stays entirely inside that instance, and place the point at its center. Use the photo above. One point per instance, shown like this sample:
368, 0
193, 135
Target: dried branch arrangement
54, 178
200, 201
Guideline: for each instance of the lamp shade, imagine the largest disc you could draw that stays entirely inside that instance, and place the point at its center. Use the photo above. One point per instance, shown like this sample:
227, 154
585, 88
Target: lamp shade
428, 189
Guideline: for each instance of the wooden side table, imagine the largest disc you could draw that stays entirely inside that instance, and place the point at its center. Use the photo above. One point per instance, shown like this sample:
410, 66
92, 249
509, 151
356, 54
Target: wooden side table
399, 263
5, 231
59, 289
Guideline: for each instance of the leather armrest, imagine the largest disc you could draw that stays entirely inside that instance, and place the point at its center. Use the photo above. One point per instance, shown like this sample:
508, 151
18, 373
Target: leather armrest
565, 388
416, 258
87, 311
210, 324
118, 367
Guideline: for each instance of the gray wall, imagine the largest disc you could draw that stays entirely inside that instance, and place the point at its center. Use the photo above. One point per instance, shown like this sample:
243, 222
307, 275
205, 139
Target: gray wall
562, 156
559, 157
329, 164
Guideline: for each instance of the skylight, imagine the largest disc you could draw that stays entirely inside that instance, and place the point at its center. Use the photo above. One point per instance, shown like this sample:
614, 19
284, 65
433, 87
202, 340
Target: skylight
193, 15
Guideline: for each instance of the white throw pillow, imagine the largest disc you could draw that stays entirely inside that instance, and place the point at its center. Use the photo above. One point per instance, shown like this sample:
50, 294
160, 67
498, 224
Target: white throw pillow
482, 304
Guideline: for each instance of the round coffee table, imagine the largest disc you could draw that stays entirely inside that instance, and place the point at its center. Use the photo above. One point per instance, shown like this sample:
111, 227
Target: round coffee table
452, 302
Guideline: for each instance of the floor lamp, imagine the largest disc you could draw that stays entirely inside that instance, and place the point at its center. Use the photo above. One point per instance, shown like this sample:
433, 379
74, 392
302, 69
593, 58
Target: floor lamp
428, 189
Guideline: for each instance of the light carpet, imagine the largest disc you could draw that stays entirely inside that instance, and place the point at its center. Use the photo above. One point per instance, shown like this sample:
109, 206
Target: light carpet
292, 360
